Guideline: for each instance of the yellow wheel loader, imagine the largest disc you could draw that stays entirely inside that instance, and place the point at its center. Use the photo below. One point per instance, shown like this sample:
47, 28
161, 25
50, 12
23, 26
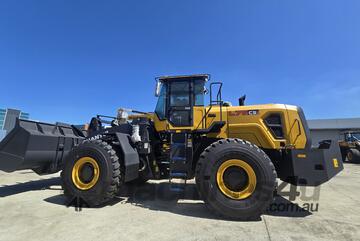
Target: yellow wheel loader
235, 153
350, 147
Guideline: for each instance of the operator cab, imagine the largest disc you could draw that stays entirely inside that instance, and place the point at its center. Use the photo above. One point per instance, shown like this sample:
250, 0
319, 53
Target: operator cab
352, 136
177, 95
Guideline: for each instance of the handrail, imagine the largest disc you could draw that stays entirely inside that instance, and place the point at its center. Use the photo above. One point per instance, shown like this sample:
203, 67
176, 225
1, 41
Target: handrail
218, 101
218, 96
202, 119
299, 130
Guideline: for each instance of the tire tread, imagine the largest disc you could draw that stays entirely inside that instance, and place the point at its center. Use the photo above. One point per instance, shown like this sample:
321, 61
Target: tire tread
209, 151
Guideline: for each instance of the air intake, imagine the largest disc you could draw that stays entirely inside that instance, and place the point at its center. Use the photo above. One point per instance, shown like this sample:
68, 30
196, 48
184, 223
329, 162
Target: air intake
274, 123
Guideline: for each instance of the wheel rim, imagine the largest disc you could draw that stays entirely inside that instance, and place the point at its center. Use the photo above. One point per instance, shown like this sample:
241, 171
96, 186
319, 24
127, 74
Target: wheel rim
236, 179
85, 173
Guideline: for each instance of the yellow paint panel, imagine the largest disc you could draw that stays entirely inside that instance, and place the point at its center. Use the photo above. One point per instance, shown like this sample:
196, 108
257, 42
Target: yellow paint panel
294, 128
248, 123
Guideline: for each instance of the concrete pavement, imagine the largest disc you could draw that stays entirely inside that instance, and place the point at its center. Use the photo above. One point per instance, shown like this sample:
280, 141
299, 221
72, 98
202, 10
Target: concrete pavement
33, 208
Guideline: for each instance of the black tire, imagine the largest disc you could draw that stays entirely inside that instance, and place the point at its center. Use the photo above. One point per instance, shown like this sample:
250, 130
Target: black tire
109, 178
211, 159
353, 155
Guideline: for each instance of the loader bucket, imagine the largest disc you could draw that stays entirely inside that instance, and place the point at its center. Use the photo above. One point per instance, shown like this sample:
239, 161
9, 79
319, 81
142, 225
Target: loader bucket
38, 146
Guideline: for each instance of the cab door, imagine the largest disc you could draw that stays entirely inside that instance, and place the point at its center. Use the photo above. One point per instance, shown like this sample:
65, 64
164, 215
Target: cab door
180, 111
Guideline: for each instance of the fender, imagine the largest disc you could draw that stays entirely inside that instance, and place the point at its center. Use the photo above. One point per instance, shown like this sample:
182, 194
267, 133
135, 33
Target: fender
130, 157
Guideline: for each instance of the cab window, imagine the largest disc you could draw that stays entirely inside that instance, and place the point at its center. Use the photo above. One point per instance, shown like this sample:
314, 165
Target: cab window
160, 109
199, 92
179, 94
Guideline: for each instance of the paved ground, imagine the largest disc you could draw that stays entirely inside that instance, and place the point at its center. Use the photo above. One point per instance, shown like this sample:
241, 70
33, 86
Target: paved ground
33, 208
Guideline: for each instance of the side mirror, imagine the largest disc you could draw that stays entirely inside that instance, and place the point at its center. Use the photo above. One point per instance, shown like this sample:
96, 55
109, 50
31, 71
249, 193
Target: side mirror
157, 88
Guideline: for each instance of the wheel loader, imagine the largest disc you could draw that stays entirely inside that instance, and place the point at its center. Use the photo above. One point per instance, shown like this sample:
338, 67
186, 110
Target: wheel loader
350, 147
235, 153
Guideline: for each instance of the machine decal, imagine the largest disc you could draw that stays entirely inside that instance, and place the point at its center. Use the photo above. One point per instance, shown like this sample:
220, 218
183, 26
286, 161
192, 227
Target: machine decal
243, 112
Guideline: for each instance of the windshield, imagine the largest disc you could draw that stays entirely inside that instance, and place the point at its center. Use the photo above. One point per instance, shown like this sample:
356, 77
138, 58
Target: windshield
353, 136
179, 95
160, 106
356, 136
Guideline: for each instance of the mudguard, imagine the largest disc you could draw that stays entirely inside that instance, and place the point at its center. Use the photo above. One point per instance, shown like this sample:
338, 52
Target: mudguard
130, 157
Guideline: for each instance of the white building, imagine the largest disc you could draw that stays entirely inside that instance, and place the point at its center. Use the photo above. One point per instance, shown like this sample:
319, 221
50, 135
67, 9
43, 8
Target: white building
325, 129
8, 118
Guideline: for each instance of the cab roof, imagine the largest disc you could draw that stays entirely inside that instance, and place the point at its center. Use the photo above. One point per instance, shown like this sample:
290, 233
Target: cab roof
205, 77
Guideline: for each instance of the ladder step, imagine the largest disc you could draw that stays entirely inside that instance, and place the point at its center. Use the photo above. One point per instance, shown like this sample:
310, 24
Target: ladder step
177, 189
178, 144
178, 158
178, 174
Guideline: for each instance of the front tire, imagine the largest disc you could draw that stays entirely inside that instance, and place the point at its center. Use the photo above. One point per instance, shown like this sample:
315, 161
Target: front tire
91, 172
353, 155
236, 179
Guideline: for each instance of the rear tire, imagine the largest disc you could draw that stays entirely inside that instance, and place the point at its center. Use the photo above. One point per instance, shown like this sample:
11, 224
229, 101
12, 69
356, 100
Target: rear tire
353, 155
100, 188
246, 206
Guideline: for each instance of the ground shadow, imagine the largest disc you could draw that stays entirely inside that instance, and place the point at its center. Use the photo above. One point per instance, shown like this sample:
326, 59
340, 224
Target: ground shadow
9, 190
159, 197
282, 207
154, 197
62, 200
188, 203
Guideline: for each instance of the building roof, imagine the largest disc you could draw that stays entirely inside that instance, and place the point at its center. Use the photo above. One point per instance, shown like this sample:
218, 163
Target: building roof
339, 124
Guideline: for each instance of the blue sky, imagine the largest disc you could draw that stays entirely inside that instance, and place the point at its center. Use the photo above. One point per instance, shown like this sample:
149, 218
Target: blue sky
70, 60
